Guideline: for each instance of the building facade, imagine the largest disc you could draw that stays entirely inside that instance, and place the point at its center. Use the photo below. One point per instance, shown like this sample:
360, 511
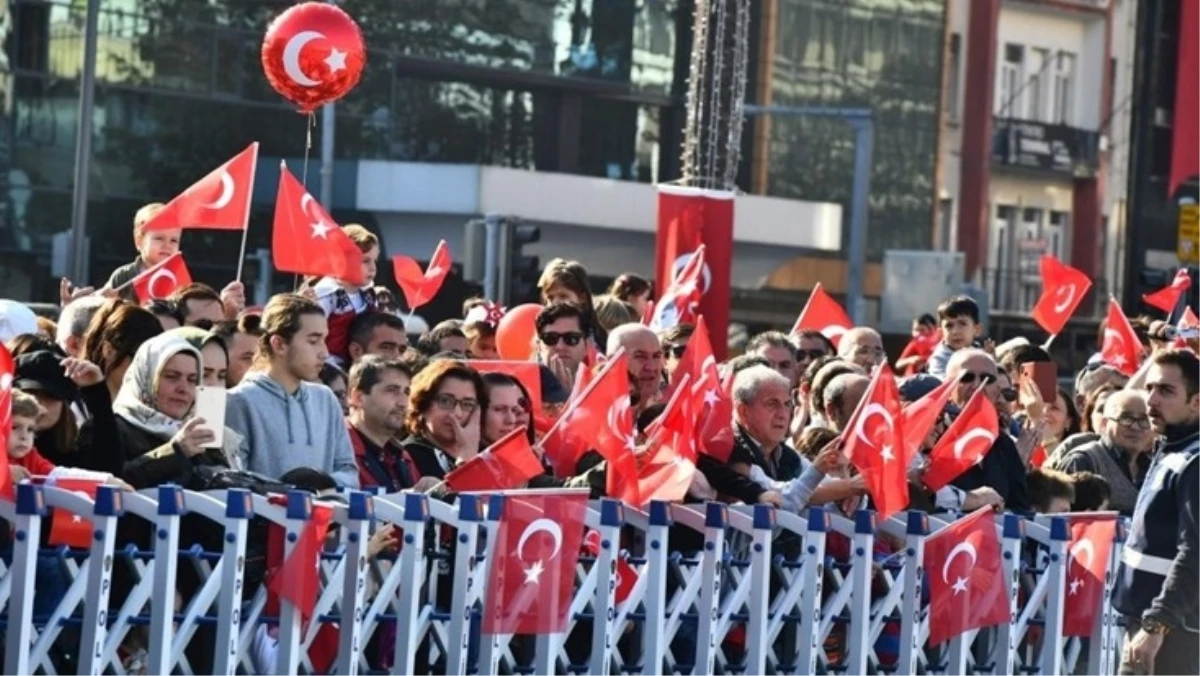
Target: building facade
1035, 145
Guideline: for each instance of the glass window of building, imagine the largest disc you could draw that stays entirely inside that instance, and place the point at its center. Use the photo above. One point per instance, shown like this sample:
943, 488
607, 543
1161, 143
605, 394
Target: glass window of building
1011, 73
1064, 86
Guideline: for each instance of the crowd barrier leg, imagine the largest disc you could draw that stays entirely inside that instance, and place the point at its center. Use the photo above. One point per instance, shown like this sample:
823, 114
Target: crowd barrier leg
612, 518
162, 609
238, 511
106, 509
1102, 650
711, 574
26, 518
467, 581
1013, 535
654, 649
412, 573
1052, 638
356, 525
812, 581
760, 588
862, 575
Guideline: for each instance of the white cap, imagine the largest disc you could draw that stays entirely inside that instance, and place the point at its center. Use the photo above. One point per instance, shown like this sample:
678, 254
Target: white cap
15, 319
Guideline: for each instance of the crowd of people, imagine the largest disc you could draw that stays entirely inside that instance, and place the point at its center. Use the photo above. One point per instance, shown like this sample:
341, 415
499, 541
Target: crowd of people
325, 390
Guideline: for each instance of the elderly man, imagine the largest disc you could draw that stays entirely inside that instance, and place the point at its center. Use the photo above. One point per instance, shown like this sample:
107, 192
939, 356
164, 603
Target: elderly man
1119, 455
645, 362
1002, 469
73, 323
841, 397
862, 346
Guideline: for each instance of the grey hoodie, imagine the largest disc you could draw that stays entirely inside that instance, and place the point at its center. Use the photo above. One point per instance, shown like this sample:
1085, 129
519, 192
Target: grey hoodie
284, 431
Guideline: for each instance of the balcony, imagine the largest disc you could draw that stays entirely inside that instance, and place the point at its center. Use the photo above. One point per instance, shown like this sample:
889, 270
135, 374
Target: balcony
1045, 148
1013, 291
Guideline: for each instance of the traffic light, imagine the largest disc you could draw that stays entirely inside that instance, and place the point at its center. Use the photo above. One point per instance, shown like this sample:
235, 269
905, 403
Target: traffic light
519, 272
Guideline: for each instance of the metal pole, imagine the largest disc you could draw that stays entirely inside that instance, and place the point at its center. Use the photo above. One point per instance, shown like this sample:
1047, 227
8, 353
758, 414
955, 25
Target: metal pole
864, 149
83, 146
328, 133
491, 257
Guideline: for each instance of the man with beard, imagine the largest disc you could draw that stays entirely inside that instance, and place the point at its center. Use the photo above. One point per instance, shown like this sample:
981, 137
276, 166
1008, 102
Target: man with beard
379, 389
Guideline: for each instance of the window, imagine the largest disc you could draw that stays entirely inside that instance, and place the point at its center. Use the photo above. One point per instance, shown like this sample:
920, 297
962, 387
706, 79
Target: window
945, 240
999, 257
1036, 86
1008, 102
1056, 234
1064, 84
955, 64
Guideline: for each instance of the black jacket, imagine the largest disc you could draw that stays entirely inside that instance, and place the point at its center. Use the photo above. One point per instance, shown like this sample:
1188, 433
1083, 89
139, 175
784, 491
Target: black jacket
98, 446
154, 461
1003, 471
1158, 576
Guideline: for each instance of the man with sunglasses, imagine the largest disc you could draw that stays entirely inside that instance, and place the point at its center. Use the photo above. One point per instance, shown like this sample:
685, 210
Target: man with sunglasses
674, 342
1002, 469
779, 352
562, 331
810, 345
1119, 455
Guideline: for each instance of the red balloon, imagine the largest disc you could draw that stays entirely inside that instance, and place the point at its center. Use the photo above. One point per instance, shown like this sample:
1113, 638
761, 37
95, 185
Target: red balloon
515, 334
313, 54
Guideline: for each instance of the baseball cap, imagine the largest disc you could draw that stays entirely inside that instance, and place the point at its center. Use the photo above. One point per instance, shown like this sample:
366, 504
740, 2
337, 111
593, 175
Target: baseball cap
42, 371
15, 319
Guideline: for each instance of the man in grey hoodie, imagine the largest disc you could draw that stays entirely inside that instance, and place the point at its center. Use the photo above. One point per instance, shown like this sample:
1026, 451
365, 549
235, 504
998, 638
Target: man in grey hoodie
288, 418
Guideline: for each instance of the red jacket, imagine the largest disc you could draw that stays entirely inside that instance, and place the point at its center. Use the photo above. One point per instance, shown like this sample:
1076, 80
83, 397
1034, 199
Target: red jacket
34, 463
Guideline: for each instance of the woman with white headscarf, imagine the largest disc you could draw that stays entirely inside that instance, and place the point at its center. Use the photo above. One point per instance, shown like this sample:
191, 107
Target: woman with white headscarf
163, 443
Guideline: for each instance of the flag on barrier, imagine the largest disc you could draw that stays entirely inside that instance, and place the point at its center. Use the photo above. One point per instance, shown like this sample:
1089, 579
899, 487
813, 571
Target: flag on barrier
1091, 546
966, 578
508, 463
70, 529
298, 580
533, 571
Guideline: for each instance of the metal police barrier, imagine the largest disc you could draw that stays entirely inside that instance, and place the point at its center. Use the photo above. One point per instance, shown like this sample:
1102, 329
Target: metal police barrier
714, 589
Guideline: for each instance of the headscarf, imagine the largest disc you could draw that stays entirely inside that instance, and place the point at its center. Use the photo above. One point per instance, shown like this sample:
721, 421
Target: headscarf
136, 400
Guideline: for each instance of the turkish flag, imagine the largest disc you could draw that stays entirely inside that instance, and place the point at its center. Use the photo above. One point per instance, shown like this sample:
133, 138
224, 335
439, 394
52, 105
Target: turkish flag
968, 440
1063, 288
219, 201
420, 286
666, 473
874, 442
627, 575
528, 373
306, 241
508, 463
967, 589
681, 300
532, 575
1185, 121
162, 280
70, 529
1167, 298
688, 218
920, 416
6, 378
712, 402
1091, 546
823, 313
599, 418
1188, 321
298, 580
1121, 347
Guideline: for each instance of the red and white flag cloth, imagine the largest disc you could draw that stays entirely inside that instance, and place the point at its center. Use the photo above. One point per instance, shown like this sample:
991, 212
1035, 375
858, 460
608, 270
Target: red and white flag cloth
965, 443
1167, 298
666, 471
967, 589
712, 401
298, 580
823, 313
219, 201
162, 280
306, 241
420, 286
69, 529
627, 575
874, 441
1091, 546
920, 416
7, 373
532, 574
1121, 347
1063, 288
508, 463
681, 301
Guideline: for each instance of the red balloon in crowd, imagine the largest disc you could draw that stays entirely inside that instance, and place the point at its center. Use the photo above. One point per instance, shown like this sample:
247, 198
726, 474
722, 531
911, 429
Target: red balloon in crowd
313, 54
515, 334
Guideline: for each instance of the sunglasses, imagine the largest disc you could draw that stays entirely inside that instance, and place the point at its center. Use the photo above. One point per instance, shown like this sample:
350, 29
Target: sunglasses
675, 351
1009, 394
969, 377
803, 355
571, 338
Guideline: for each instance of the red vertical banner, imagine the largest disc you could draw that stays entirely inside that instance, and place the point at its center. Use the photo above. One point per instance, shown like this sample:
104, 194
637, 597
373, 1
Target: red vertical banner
1185, 138
687, 218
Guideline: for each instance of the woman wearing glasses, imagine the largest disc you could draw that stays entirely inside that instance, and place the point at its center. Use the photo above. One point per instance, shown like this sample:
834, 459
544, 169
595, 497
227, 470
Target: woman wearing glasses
443, 420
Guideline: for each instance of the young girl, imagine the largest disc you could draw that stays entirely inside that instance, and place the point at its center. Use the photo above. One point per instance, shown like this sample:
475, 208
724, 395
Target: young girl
343, 301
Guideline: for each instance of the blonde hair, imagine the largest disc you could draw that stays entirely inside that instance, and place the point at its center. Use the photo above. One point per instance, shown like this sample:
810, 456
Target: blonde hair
612, 312
143, 216
26, 405
363, 238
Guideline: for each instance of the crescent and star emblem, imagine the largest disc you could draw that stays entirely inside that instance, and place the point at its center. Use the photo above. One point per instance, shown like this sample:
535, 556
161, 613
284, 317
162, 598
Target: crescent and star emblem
336, 60
682, 261
319, 227
833, 332
961, 444
1077, 551
873, 409
533, 574
1061, 304
159, 275
227, 190
1117, 339
960, 583
617, 415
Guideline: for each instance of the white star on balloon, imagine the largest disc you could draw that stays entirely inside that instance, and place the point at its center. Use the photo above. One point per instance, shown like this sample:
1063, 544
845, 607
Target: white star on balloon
320, 229
336, 60
960, 586
533, 574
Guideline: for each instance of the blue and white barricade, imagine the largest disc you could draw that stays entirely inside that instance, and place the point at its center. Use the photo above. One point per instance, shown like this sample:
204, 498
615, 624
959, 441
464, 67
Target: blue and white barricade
718, 589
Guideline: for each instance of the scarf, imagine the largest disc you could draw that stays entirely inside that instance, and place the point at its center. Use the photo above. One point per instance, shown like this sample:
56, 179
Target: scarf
135, 401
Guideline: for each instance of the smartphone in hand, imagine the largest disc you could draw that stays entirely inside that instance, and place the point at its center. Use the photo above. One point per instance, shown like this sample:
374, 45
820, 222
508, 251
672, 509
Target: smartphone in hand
210, 405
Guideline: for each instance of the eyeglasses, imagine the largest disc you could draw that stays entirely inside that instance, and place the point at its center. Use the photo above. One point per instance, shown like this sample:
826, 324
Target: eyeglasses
571, 338
1131, 421
969, 377
802, 355
675, 351
448, 402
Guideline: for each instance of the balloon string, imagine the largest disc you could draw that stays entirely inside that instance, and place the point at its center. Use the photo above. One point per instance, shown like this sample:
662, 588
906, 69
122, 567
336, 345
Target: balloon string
312, 120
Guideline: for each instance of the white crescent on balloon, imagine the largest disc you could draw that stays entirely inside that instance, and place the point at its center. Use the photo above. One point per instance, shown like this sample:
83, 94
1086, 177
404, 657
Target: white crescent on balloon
227, 190
542, 525
1061, 303
872, 409
961, 548
291, 57
978, 433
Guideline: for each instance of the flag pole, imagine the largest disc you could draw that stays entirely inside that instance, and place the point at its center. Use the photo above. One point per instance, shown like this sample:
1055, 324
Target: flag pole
312, 121
246, 222
1046, 345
